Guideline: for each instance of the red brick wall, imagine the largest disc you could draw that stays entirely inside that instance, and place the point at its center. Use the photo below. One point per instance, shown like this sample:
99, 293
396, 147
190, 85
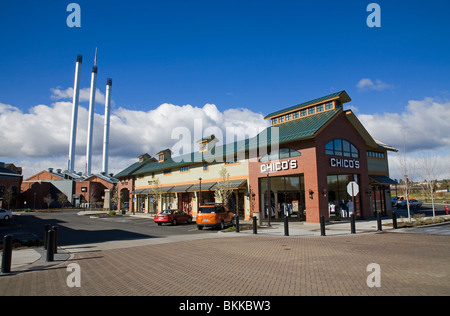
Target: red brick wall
125, 183
314, 164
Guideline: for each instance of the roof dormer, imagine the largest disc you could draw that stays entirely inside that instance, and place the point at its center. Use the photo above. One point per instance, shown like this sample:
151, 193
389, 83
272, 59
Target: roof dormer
207, 143
144, 157
164, 155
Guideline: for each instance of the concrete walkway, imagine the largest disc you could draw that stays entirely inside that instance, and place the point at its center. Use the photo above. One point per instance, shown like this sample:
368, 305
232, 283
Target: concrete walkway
32, 259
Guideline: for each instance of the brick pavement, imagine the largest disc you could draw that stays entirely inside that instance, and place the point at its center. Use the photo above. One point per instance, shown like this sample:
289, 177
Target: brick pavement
411, 264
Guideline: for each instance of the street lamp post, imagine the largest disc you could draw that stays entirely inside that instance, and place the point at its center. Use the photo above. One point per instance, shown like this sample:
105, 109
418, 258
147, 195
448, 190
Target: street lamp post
269, 197
200, 197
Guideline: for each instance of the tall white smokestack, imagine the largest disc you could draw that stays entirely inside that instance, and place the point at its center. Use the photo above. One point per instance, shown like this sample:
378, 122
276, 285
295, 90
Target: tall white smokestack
107, 119
91, 117
76, 98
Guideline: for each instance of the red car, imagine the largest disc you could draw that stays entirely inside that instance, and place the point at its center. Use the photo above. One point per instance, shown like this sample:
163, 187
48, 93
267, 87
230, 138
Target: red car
172, 216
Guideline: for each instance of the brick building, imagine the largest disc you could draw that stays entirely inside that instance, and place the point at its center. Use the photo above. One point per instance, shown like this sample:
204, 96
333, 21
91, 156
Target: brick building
308, 156
10, 182
54, 184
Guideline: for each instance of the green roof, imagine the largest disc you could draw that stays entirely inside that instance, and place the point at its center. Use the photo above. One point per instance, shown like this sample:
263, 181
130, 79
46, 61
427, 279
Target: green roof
134, 167
295, 130
343, 94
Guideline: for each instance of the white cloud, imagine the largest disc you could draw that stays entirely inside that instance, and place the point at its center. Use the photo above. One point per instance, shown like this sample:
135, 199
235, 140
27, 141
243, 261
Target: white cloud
39, 138
85, 95
367, 84
422, 125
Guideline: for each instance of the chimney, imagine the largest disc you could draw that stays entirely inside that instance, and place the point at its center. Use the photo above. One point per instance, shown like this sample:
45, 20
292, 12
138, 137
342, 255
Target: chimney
107, 122
76, 99
91, 117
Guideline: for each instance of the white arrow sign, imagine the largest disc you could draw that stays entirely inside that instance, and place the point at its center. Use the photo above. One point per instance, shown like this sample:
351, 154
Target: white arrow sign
353, 189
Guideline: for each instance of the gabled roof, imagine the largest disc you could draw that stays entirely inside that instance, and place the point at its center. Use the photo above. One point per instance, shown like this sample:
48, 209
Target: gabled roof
136, 166
295, 130
107, 178
5, 172
304, 128
341, 95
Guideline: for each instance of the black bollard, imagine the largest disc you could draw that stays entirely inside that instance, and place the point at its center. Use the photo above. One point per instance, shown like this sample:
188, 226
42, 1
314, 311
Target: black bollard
56, 229
255, 225
237, 223
46, 229
7, 254
353, 226
286, 226
322, 225
380, 228
50, 246
394, 219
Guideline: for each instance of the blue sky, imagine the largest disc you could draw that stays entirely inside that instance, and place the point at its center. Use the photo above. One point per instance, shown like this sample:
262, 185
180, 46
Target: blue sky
257, 55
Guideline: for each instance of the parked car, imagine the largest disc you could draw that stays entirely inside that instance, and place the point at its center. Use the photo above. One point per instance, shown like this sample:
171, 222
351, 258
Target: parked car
412, 204
173, 217
5, 214
395, 200
214, 216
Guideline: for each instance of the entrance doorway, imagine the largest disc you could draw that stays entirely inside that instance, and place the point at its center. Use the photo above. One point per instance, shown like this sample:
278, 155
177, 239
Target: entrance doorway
287, 197
340, 203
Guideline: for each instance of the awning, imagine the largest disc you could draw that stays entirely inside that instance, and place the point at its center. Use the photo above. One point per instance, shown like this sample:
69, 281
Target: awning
152, 191
205, 186
138, 191
381, 180
180, 188
165, 189
234, 184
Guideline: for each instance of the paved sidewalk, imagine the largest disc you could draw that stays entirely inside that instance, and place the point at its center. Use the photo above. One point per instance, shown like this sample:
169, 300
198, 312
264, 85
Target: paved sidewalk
24, 259
262, 265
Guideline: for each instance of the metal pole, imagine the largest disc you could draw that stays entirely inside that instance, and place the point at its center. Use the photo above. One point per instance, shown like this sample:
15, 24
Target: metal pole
380, 228
269, 196
255, 225
322, 225
55, 246
353, 226
394, 219
7, 254
286, 225
50, 246
46, 229
237, 223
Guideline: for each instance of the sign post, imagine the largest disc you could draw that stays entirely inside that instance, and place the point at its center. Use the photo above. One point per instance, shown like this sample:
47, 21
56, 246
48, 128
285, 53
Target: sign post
353, 190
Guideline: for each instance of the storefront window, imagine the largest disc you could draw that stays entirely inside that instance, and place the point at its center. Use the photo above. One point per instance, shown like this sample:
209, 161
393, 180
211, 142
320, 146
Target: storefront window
287, 197
340, 204
343, 148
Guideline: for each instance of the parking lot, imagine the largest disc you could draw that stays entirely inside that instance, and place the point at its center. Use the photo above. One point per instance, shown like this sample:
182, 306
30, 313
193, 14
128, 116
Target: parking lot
76, 230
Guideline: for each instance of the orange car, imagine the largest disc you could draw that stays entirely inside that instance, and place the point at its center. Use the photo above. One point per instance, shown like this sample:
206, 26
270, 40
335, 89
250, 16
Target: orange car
214, 216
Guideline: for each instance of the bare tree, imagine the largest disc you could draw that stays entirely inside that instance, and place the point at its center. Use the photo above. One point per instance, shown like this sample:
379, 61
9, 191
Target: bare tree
224, 188
48, 200
407, 169
62, 199
8, 196
156, 192
429, 170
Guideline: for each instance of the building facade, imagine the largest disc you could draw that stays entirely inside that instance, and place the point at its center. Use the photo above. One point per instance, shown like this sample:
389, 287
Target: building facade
300, 167
10, 182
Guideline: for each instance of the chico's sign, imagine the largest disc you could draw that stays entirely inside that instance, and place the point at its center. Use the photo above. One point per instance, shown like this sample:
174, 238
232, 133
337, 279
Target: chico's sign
344, 163
278, 166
